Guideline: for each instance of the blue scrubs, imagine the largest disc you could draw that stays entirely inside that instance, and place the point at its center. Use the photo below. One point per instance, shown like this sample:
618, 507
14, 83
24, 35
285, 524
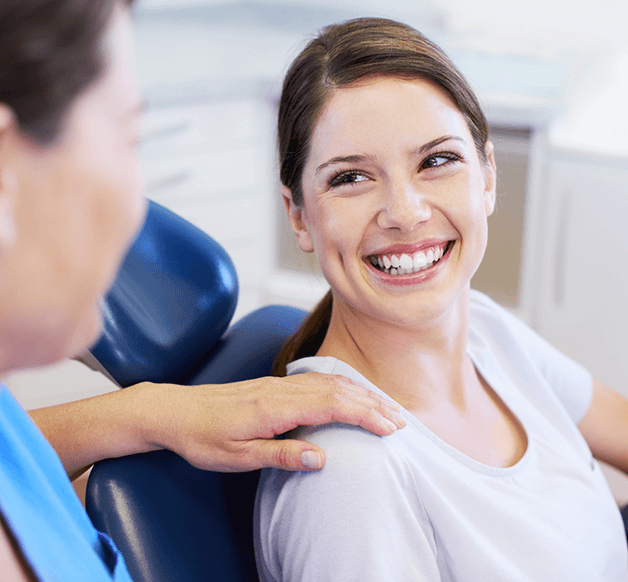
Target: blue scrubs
43, 512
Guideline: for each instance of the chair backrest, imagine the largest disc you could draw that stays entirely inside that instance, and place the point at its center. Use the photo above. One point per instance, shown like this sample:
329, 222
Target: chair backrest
170, 520
174, 281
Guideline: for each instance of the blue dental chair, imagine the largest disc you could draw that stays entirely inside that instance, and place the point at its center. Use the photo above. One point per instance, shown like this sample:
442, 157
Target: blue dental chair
166, 320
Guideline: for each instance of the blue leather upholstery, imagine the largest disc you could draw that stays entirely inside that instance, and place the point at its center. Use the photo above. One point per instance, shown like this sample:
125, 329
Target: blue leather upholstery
171, 521
249, 348
173, 299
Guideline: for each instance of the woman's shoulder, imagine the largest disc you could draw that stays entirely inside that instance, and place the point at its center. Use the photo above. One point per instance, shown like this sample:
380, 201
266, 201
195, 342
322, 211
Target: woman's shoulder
337, 512
495, 324
326, 365
482, 307
496, 335
351, 449
333, 366
360, 469
492, 324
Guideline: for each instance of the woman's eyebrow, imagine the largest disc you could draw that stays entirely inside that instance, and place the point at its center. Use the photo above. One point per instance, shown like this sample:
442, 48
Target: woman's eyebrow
344, 159
361, 158
436, 142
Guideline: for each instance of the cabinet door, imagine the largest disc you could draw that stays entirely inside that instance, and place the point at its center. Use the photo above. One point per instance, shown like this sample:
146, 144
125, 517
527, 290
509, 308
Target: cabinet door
584, 275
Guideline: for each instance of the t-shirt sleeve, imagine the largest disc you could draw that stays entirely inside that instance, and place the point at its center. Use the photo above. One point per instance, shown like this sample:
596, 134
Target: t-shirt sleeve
571, 382
359, 518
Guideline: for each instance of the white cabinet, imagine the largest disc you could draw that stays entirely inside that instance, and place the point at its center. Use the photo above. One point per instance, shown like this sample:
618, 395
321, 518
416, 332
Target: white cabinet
582, 270
211, 162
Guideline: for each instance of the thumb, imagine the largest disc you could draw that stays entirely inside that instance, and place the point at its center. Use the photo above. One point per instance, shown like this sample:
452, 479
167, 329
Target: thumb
290, 454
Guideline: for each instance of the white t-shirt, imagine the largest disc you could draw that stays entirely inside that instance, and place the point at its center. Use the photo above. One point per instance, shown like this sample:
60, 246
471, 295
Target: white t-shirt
409, 507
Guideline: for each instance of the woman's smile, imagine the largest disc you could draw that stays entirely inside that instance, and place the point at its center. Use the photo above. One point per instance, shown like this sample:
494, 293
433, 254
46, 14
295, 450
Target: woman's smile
395, 199
407, 261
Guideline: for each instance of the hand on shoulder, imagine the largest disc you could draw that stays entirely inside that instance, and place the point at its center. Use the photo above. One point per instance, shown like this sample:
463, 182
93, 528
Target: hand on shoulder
231, 427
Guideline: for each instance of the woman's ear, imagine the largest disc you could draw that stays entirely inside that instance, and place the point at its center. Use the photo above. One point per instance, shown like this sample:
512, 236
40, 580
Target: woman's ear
8, 182
298, 221
490, 179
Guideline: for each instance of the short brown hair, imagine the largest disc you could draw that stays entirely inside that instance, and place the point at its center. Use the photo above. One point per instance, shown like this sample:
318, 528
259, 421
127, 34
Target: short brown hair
50, 51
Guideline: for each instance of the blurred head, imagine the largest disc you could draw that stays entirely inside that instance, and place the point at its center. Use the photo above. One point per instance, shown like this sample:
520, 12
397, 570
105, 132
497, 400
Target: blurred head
70, 191
351, 51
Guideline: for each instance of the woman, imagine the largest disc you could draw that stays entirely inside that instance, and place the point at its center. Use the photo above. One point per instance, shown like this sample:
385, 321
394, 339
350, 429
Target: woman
70, 202
388, 175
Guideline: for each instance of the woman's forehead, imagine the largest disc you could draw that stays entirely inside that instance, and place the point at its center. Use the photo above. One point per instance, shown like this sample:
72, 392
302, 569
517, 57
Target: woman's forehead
378, 111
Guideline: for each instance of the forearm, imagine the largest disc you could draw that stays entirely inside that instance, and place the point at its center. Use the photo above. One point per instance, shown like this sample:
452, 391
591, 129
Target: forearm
219, 427
92, 429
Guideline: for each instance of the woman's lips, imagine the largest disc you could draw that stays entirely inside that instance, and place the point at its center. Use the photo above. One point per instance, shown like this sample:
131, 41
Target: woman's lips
410, 263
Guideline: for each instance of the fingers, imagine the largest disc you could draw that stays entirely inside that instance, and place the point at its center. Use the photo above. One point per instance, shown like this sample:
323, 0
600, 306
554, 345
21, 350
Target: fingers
341, 400
231, 427
375, 418
288, 454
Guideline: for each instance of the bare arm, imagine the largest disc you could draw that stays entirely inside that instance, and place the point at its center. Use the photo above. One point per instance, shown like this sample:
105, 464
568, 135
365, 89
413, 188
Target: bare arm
222, 427
605, 426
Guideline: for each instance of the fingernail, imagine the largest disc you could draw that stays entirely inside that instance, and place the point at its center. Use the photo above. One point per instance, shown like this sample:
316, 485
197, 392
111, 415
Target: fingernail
390, 425
311, 460
401, 421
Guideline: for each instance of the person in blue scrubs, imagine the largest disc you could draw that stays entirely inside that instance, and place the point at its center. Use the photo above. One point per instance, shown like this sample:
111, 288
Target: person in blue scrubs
71, 202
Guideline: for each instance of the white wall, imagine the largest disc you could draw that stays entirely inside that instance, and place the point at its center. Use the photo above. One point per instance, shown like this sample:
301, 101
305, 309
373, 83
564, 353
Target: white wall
539, 26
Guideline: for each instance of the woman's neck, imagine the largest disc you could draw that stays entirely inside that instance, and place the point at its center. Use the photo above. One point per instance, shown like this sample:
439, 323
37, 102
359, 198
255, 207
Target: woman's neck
420, 366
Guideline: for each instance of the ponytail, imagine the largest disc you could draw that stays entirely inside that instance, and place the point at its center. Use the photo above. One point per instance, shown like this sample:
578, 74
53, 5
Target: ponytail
307, 340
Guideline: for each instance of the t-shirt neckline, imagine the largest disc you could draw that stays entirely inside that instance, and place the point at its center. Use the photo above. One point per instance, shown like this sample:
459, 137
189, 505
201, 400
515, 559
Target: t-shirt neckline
334, 366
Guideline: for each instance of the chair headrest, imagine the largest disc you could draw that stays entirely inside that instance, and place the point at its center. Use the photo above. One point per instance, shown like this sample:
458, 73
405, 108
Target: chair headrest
173, 299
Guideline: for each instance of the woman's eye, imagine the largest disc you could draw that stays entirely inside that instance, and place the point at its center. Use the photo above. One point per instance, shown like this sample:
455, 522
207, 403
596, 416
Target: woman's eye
441, 159
347, 178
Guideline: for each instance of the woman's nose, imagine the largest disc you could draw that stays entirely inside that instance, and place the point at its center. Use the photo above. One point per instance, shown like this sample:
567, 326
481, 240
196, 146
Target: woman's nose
404, 208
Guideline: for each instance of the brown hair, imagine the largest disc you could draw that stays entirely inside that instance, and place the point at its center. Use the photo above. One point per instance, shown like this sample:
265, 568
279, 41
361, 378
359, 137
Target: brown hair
50, 51
340, 55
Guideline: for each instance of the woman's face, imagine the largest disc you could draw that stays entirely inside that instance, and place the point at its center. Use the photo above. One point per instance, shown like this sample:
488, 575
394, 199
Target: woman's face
396, 200
74, 207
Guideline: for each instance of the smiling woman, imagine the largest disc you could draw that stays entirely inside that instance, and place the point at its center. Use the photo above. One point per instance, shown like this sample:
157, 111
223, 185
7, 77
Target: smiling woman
389, 178
412, 169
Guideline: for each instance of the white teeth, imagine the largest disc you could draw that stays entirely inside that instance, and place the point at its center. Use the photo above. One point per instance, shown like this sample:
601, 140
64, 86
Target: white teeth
405, 262
419, 261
